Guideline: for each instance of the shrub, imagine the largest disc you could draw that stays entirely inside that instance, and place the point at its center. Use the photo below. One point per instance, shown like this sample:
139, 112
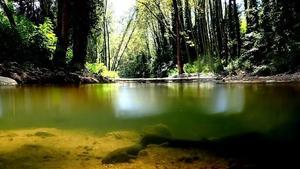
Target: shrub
27, 43
173, 72
136, 67
191, 68
101, 69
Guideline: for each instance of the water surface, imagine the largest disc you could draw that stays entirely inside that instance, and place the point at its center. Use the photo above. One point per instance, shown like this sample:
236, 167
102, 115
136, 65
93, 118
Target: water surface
191, 111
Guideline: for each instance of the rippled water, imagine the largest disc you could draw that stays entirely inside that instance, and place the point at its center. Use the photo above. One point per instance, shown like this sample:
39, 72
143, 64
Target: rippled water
191, 111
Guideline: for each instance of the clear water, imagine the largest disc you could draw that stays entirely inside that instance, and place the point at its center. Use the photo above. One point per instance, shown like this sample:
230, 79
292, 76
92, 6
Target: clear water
191, 111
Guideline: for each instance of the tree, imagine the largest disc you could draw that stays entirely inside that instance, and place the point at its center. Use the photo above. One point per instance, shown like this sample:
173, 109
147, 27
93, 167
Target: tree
36, 10
251, 11
80, 16
81, 27
63, 31
234, 36
8, 13
177, 27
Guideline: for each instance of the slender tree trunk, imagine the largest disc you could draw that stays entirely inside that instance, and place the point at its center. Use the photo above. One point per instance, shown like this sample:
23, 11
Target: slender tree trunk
81, 28
108, 47
45, 6
225, 25
237, 29
63, 32
251, 15
191, 50
104, 35
234, 30
178, 38
8, 13
125, 47
117, 53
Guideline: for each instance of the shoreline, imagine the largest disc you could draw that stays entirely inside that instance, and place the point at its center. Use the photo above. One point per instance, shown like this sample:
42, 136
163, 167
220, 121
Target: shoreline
244, 79
15, 74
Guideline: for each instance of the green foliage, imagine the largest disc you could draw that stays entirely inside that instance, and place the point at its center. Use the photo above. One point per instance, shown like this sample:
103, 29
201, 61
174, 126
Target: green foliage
243, 25
263, 70
218, 65
46, 30
27, 43
172, 72
232, 66
100, 68
96, 67
69, 55
191, 68
136, 67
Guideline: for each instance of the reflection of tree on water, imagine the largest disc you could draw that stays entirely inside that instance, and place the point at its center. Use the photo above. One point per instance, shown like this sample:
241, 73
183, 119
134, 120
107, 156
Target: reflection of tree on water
1, 107
229, 99
135, 102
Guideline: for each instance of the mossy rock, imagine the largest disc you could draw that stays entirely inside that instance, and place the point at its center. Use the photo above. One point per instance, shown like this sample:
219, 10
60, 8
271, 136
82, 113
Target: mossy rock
43, 134
157, 130
154, 139
123, 155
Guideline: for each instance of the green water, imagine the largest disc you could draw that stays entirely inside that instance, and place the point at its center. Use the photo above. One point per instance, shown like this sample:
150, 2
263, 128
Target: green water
191, 111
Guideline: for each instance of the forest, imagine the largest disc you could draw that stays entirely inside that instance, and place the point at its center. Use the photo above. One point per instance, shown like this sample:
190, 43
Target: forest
149, 84
160, 38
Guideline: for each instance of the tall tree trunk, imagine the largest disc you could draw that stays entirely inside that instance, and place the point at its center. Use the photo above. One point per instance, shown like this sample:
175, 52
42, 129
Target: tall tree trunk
237, 29
178, 37
191, 50
8, 13
45, 6
117, 53
104, 35
251, 15
125, 48
108, 47
81, 28
63, 32
234, 30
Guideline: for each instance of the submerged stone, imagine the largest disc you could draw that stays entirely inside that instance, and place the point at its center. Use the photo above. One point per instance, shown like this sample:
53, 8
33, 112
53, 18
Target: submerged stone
154, 139
123, 155
158, 130
43, 134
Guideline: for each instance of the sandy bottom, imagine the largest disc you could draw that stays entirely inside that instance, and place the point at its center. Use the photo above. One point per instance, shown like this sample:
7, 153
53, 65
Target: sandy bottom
61, 149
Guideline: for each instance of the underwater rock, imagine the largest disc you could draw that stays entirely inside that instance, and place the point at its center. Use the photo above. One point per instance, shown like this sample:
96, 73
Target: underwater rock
43, 134
189, 159
156, 134
143, 153
123, 155
154, 139
157, 130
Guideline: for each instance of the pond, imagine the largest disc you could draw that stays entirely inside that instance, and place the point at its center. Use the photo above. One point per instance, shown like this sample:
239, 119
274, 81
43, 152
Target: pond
190, 110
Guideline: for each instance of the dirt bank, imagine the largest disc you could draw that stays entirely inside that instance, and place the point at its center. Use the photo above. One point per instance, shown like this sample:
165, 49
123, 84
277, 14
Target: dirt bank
280, 78
30, 74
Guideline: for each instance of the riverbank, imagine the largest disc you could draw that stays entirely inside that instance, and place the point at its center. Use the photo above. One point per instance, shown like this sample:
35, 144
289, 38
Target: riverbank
46, 148
244, 78
279, 78
30, 74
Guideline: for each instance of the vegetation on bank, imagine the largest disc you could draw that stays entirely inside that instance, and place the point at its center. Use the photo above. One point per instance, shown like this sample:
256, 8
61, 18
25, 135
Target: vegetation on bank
157, 39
